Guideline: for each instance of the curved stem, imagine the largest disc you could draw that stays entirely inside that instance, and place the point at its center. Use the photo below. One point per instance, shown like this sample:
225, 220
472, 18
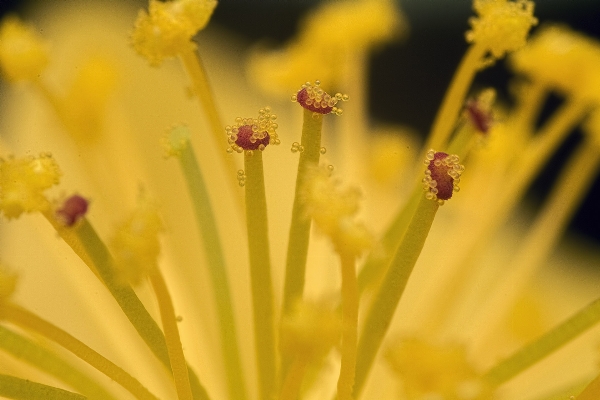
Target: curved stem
16, 388
169, 322
350, 328
45, 360
30, 321
260, 273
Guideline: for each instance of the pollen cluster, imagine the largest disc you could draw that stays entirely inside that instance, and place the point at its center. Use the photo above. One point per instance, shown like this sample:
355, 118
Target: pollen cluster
435, 370
315, 99
310, 331
554, 54
23, 181
166, 30
135, 244
333, 210
442, 176
250, 134
502, 25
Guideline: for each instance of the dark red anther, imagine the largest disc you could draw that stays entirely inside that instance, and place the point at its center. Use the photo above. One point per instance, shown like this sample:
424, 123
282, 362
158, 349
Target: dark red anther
439, 173
303, 98
72, 210
479, 117
440, 169
247, 140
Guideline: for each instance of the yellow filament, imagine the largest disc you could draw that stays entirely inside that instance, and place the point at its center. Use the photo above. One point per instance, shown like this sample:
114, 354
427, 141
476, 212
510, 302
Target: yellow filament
260, 274
30, 321
350, 326
293, 380
454, 98
526, 168
195, 70
169, 322
300, 225
540, 240
591, 391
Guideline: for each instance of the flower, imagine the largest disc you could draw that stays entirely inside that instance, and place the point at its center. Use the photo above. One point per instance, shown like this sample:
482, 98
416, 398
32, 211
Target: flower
212, 291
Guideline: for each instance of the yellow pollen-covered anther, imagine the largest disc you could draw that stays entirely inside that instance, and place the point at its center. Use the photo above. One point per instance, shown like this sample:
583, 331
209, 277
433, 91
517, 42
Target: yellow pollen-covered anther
23, 182
166, 30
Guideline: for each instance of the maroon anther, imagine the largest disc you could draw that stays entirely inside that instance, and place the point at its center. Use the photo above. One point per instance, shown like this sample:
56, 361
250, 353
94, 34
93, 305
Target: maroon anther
245, 138
73, 209
302, 97
439, 173
481, 119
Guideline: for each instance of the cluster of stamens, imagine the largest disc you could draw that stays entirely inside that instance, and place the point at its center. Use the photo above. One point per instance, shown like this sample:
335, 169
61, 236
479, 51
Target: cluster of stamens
442, 176
315, 99
249, 134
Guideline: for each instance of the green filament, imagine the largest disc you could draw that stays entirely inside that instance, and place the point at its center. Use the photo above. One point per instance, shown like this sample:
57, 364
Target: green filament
97, 253
30, 321
295, 266
387, 298
172, 338
260, 273
545, 345
216, 266
45, 360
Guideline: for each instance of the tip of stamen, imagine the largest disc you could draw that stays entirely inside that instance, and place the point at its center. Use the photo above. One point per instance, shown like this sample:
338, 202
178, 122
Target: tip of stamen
315, 99
249, 134
72, 210
441, 176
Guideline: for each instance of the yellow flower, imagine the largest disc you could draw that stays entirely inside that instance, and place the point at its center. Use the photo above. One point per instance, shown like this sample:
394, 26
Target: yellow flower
226, 276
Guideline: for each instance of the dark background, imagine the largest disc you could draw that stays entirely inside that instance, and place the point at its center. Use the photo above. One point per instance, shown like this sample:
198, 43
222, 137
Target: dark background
408, 79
